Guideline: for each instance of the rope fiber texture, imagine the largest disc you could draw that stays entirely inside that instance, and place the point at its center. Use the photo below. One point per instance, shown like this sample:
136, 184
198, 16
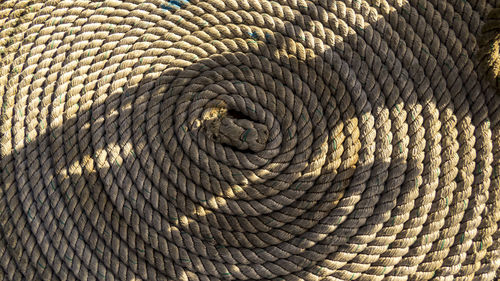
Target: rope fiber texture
248, 140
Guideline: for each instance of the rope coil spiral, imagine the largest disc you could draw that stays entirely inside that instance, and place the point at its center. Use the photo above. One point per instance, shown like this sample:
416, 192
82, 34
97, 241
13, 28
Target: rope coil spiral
247, 140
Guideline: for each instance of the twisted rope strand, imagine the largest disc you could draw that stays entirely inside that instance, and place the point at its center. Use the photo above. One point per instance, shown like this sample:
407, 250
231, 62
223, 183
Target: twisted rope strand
238, 140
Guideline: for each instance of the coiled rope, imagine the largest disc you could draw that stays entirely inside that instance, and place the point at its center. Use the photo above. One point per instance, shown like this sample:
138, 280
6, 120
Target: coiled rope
238, 140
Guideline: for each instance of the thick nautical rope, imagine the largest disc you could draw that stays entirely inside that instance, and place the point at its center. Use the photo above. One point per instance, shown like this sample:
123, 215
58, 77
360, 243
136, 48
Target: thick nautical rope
489, 47
236, 140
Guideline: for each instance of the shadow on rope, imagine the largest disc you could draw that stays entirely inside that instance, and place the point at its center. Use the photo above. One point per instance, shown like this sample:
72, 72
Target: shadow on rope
287, 159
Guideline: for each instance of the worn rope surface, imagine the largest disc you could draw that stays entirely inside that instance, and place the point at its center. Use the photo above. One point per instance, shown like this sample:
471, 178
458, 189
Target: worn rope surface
236, 140
489, 47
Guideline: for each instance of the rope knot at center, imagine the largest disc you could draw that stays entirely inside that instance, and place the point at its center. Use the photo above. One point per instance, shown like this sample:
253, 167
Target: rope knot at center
233, 128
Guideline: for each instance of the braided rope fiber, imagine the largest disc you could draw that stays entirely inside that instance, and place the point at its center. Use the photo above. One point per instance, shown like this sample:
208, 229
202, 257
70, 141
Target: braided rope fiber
247, 140
489, 47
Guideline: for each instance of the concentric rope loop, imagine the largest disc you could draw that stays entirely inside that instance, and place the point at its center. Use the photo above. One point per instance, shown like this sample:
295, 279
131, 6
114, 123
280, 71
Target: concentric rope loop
248, 140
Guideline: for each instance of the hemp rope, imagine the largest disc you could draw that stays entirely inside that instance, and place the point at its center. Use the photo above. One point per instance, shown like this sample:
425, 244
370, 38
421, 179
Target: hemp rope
236, 140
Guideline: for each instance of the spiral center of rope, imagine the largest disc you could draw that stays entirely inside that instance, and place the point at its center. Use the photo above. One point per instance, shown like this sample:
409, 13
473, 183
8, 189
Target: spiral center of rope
233, 128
